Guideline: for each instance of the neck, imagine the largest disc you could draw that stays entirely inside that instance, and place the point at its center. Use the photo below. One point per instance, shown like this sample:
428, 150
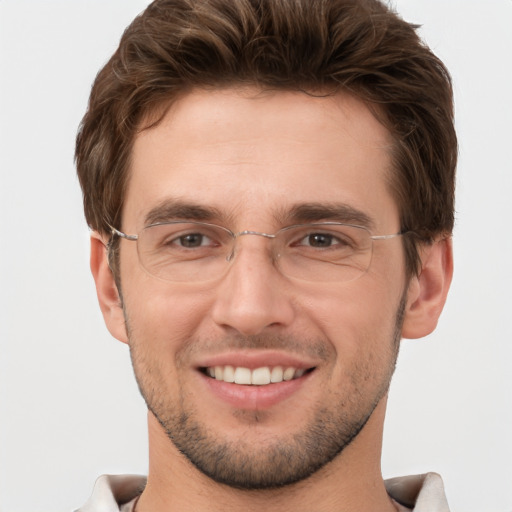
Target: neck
352, 481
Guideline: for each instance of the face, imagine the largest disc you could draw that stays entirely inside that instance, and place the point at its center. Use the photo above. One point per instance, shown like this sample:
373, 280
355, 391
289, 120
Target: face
249, 160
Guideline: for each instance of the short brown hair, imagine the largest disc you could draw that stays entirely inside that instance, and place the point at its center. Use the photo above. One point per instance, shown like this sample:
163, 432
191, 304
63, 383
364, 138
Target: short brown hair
359, 46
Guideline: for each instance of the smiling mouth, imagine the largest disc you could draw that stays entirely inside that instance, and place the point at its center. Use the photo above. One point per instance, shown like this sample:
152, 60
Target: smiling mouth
256, 377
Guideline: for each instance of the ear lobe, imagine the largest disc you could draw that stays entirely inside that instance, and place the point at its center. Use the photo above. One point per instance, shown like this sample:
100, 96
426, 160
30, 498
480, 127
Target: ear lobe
427, 292
106, 289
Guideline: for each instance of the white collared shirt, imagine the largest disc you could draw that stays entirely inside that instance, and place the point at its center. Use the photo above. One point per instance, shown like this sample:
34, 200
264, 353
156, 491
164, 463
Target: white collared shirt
417, 493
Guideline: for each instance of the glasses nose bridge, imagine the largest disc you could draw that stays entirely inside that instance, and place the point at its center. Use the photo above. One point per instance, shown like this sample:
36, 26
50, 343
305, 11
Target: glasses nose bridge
250, 232
236, 236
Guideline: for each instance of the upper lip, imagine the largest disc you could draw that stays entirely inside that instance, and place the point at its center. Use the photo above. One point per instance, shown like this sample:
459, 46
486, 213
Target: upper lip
256, 359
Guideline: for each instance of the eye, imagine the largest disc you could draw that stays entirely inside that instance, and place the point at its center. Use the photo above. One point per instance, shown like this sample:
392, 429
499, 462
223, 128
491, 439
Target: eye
183, 238
322, 240
192, 241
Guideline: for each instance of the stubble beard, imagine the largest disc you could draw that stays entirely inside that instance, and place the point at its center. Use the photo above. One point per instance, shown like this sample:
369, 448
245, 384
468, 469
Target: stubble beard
280, 461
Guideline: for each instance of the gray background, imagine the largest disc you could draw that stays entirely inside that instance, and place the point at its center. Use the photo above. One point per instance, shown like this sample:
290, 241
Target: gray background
69, 408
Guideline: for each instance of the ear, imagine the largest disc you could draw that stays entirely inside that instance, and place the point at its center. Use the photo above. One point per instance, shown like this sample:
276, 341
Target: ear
106, 289
427, 292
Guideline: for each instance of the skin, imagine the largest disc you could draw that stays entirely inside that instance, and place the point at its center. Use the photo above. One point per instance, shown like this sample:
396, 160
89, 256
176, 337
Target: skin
252, 157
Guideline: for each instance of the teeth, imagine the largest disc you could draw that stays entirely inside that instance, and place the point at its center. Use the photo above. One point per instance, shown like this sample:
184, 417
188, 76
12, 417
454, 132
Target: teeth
261, 376
288, 374
229, 374
276, 375
243, 376
257, 377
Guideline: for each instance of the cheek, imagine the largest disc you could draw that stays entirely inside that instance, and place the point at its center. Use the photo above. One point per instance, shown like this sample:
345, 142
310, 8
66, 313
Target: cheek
359, 321
358, 307
162, 326
165, 316
158, 314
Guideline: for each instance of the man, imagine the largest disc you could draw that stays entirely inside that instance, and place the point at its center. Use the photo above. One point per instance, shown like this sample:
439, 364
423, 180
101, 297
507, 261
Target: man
270, 188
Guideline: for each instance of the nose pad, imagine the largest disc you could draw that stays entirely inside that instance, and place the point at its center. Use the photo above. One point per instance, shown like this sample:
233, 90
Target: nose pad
231, 255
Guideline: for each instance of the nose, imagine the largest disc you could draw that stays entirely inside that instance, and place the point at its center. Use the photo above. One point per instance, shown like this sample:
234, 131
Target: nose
253, 295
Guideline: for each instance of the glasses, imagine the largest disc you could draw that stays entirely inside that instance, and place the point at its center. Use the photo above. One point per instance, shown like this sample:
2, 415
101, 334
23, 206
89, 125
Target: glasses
198, 251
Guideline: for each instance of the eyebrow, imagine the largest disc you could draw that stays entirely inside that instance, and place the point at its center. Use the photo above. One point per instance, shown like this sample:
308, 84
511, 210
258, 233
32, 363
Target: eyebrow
334, 212
175, 209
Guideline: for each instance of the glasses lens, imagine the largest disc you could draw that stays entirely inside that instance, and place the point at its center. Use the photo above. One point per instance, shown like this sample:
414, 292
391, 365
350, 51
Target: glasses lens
324, 252
198, 252
185, 251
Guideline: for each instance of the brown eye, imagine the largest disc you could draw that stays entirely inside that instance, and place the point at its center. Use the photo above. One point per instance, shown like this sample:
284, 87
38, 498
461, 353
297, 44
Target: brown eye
320, 240
192, 240
323, 241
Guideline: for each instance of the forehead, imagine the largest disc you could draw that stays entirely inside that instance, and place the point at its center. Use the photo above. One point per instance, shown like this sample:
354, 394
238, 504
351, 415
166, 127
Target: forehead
246, 154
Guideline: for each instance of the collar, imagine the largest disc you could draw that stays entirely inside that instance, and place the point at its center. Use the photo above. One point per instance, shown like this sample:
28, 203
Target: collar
421, 493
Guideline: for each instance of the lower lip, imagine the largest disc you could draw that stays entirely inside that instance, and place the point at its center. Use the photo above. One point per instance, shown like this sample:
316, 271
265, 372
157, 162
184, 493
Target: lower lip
254, 398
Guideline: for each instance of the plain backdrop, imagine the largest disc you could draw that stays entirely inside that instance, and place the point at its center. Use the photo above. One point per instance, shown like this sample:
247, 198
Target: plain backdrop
69, 407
